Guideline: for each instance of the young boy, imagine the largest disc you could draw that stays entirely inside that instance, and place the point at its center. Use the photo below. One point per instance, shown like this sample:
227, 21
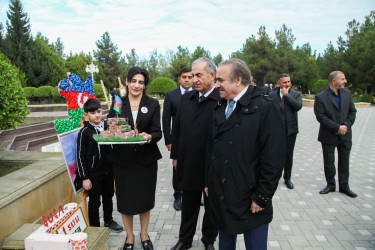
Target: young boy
94, 168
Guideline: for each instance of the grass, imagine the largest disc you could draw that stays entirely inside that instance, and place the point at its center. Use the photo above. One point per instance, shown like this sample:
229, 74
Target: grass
9, 167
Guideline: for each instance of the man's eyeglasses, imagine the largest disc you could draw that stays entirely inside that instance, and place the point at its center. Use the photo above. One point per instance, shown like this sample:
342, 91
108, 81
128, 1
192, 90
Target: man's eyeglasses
184, 77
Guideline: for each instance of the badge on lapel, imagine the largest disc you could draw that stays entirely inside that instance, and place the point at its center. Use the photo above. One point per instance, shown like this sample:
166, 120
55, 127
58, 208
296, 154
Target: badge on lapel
144, 110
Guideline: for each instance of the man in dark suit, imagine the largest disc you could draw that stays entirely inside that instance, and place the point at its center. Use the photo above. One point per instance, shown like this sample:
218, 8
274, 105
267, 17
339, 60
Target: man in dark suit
335, 111
290, 102
171, 102
245, 158
189, 145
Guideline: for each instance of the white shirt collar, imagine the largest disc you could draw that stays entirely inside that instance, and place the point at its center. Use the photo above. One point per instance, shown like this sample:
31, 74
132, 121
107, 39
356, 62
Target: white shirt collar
183, 90
237, 97
208, 92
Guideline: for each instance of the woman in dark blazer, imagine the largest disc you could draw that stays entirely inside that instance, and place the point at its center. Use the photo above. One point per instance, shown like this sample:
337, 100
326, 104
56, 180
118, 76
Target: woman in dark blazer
135, 165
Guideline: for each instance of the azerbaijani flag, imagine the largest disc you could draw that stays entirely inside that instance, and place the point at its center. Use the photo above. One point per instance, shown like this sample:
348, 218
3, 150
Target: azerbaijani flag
117, 105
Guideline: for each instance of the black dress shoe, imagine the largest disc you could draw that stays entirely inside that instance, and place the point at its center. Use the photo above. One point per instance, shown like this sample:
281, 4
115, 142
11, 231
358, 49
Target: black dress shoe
289, 184
128, 246
177, 204
209, 247
348, 192
327, 189
180, 246
147, 244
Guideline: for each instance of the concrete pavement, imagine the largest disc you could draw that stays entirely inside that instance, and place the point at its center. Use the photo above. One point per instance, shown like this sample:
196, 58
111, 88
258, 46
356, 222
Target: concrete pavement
303, 219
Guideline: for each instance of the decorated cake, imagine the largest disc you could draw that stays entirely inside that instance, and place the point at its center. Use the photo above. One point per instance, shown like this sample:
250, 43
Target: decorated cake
61, 230
119, 131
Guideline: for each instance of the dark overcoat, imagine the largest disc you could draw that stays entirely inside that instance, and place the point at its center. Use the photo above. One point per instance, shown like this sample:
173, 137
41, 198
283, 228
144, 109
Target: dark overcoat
293, 103
331, 117
171, 102
148, 120
189, 141
245, 160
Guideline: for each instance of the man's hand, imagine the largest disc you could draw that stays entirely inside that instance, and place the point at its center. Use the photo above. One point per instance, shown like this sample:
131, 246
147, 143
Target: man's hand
255, 208
169, 147
87, 184
343, 129
285, 91
174, 163
206, 191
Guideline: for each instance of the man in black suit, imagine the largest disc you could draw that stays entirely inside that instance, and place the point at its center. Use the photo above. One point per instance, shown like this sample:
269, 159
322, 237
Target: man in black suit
335, 111
189, 145
290, 102
171, 102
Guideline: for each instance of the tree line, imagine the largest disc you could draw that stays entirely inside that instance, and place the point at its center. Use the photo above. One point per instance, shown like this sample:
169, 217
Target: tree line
42, 62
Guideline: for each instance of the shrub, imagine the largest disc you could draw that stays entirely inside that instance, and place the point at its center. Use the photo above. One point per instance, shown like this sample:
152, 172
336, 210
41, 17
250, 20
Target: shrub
43, 92
98, 90
13, 102
29, 92
356, 98
367, 98
319, 85
161, 85
56, 96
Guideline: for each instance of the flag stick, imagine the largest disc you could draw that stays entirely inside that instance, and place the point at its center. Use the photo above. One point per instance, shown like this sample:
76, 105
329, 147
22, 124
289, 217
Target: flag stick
105, 94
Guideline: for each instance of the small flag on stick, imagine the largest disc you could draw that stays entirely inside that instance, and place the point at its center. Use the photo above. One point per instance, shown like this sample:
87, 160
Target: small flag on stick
117, 105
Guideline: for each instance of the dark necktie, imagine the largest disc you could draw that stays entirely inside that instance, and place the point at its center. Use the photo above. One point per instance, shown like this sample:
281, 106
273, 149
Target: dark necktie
230, 108
186, 91
282, 105
202, 98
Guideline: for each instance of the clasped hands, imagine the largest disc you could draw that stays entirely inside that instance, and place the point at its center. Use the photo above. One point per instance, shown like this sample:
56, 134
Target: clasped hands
343, 129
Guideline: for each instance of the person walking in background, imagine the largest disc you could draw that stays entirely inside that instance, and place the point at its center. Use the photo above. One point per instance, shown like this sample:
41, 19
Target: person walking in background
171, 102
290, 102
245, 158
189, 145
335, 111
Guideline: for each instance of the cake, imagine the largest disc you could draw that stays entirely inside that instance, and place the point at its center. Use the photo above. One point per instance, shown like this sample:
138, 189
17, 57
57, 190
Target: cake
53, 235
118, 131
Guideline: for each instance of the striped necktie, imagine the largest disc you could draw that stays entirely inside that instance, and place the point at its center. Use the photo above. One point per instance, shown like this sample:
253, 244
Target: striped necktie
230, 108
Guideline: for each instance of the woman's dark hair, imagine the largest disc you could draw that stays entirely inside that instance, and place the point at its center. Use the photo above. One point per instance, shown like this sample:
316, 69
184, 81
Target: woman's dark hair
135, 71
91, 105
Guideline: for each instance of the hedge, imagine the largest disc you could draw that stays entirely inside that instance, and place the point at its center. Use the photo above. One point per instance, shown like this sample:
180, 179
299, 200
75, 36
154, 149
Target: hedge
161, 85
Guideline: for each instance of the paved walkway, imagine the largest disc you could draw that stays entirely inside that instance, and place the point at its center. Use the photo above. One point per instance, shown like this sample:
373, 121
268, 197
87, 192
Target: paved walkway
303, 219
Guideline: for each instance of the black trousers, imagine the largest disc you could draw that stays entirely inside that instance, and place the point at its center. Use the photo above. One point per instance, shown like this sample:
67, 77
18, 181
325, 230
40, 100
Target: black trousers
191, 202
343, 150
101, 186
176, 185
290, 142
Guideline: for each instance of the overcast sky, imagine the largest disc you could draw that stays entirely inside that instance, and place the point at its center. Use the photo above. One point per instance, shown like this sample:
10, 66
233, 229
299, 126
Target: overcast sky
220, 26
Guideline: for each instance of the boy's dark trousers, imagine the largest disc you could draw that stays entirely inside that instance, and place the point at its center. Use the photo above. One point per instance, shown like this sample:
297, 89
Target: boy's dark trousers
101, 186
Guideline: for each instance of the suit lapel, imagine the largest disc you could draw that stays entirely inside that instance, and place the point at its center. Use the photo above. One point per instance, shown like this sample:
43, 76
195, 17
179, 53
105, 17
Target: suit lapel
142, 110
126, 111
331, 99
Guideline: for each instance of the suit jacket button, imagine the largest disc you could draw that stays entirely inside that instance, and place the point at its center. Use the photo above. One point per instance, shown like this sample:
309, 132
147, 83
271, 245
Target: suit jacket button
230, 142
213, 158
226, 162
221, 198
223, 180
215, 140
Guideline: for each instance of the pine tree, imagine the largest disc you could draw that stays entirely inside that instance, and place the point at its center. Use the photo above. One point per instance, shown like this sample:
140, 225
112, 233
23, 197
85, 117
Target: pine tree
58, 47
18, 37
1, 36
108, 58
